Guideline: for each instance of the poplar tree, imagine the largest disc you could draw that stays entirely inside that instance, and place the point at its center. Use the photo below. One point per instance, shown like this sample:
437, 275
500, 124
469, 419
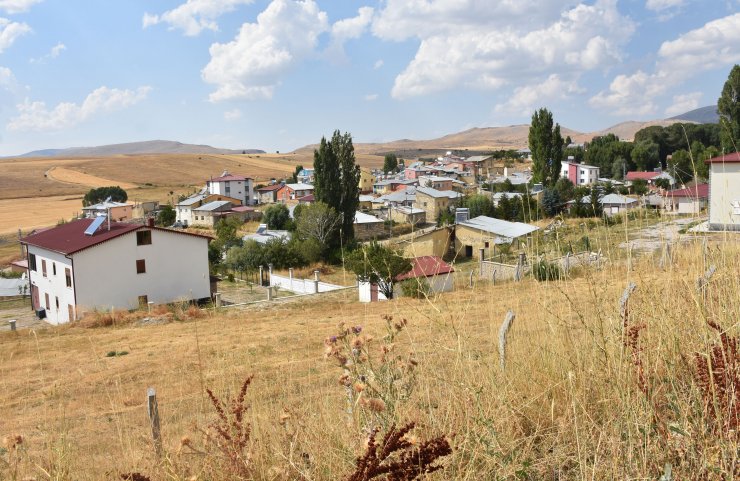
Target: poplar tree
728, 108
546, 145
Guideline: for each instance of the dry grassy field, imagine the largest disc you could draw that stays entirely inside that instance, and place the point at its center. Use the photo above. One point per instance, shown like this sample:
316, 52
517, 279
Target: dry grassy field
589, 390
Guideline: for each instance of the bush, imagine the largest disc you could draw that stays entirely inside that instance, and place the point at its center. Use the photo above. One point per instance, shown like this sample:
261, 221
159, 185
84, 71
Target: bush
416, 288
543, 270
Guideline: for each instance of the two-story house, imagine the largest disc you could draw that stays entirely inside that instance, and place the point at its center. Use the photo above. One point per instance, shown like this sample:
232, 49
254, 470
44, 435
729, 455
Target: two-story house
230, 185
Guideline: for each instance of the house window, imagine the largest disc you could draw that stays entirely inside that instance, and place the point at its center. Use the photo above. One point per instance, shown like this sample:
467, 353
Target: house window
46, 298
68, 277
54, 268
43, 267
486, 245
32, 259
143, 237
143, 301
141, 266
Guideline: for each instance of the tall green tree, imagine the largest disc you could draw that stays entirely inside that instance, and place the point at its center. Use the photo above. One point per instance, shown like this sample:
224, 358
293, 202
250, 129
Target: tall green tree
100, 194
728, 108
276, 216
479, 204
390, 163
294, 177
646, 155
166, 216
546, 145
337, 182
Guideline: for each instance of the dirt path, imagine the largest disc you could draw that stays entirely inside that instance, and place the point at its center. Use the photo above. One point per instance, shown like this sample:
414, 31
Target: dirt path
69, 176
653, 238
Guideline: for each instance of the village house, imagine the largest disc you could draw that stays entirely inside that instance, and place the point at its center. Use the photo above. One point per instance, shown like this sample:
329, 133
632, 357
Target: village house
118, 211
435, 182
268, 193
579, 174
209, 214
436, 274
649, 177
485, 165
407, 215
292, 192
484, 232
368, 227
689, 200
236, 186
415, 170
184, 210
366, 202
611, 204
386, 186
90, 264
435, 202
367, 179
306, 176
724, 192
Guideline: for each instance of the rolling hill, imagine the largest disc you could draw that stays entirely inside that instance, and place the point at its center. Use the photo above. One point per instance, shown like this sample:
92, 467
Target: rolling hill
703, 115
135, 148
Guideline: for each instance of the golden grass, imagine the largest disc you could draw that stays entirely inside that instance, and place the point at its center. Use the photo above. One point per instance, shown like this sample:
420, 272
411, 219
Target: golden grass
69, 176
568, 405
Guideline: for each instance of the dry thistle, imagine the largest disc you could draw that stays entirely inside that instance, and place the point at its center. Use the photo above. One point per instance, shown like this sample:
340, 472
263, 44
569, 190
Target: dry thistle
135, 477
399, 457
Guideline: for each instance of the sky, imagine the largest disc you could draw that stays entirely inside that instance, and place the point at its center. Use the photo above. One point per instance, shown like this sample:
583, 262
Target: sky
277, 75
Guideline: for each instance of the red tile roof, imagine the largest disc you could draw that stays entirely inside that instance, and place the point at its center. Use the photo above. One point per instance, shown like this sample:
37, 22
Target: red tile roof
733, 157
70, 237
426, 266
641, 175
306, 198
699, 191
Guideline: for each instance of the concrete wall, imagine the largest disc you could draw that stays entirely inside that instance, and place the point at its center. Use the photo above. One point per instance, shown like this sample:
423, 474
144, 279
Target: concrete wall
724, 189
176, 269
370, 230
53, 285
435, 243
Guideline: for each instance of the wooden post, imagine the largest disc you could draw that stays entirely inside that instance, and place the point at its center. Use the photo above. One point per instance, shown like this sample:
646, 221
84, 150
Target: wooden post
153, 412
471, 278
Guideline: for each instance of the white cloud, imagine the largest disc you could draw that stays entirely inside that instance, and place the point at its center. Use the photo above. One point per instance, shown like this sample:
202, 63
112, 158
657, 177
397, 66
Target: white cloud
371, 97
17, 6
712, 46
250, 66
233, 114
35, 116
477, 44
660, 5
378, 63
55, 51
10, 31
347, 29
527, 98
683, 103
194, 16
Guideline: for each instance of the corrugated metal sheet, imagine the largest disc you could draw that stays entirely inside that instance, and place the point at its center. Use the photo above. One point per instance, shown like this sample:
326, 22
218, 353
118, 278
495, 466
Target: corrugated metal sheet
500, 227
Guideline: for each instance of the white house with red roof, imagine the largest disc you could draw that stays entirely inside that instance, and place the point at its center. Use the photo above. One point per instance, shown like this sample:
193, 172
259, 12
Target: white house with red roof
649, 177
231, 185
74, 268
431, 271
689, 200
724, 192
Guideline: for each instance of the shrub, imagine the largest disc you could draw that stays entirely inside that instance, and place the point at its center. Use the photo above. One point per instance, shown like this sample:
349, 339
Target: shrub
416, 288
543, 270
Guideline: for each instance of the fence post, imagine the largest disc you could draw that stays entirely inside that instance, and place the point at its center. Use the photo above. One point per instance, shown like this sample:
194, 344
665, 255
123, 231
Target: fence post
261, 281
153, 411
269, 271
481, 256
494, 277
12, 324
471, 278
290, 274
567, 263
217, 297
316, 282
269, 293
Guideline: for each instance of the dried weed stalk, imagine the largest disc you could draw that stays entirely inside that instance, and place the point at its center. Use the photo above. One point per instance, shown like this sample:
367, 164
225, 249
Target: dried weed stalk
399, 457
232, 431
718, 377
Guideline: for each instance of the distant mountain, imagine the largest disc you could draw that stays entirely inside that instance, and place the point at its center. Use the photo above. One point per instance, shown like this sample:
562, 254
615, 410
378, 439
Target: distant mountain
491, 138
136, 148
704, 115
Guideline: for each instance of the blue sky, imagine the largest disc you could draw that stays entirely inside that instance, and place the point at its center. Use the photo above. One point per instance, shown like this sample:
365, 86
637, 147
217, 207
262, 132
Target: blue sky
279, 74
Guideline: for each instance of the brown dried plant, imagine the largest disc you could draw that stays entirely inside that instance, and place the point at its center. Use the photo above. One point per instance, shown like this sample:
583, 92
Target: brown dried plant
232, 431
718, 377
399, 457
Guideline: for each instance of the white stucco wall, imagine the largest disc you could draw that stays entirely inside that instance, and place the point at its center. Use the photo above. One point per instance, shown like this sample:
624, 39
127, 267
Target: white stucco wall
176, 269
54, 285
242, 190
724, 188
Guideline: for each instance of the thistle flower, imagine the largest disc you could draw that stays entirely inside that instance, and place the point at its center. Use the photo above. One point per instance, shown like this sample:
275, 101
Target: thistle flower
357, 329
13, 441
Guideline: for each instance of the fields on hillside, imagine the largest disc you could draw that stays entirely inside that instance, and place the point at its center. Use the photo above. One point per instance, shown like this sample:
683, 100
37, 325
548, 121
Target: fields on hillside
585, 393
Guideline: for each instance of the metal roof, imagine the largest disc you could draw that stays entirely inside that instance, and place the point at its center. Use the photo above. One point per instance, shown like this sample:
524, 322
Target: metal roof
499, 227
192, 200
608, 199
215, 205
105, 205
299, 186
437, 193
362, 218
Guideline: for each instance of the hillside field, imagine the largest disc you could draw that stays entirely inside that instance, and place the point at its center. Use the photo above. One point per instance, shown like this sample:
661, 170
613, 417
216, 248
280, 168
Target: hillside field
587, 392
